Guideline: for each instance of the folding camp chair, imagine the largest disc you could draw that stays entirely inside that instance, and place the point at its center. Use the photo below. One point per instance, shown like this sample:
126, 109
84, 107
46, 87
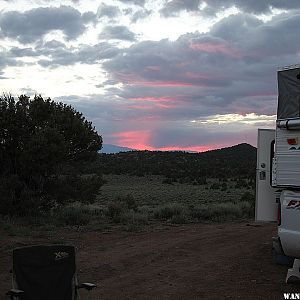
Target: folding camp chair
45, 272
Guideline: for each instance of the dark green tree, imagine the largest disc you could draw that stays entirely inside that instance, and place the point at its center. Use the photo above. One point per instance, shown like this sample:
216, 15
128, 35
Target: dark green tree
44, 148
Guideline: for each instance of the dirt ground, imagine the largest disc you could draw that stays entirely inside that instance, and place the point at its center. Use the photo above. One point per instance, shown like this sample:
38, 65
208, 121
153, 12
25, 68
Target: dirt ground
221, 261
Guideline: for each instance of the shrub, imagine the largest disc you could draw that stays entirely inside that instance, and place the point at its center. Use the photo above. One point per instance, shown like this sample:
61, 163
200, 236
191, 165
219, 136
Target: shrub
168, 181
222, 211
249, 197
19, 199
42, 141
134, 218
74, 188
130, 202
224, 186
241, 183
168, 211
114, 211
180, 219
74, 215
202, 180
215, 186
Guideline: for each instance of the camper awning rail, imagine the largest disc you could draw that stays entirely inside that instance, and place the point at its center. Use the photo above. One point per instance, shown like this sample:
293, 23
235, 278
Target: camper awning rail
288, 124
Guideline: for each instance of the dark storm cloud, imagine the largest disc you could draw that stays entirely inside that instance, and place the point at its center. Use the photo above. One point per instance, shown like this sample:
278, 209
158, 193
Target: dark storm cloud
212, 7
109, 11
32, 25
117, 33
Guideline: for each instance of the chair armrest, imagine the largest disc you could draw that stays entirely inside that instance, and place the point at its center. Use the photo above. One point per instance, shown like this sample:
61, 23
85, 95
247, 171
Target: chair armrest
15, 292
86, 285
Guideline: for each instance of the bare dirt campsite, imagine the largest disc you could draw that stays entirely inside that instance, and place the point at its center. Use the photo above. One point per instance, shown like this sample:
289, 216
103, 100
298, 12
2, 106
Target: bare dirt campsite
196, 261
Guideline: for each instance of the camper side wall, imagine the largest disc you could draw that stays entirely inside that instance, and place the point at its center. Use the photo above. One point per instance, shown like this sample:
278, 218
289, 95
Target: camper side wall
286, 162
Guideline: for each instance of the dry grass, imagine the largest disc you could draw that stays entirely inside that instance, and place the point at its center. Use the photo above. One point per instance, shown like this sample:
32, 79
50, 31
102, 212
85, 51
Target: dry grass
134, 202
150, 191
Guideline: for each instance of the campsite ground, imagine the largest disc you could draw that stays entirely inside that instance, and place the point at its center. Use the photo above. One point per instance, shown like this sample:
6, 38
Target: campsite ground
195, 261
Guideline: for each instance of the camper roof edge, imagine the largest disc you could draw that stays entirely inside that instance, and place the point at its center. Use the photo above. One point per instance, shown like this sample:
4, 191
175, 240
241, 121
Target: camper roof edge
295, 66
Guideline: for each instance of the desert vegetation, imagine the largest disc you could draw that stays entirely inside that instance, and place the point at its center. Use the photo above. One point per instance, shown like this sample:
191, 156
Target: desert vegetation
52, 175
137, 203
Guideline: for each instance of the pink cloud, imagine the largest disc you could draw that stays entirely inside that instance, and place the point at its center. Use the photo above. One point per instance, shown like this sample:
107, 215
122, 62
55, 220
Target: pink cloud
191, 148
138, 139
141, 140
153, 68
153, 99
151, 107
162, 83
153, 103
164, 106
200, 76
215, 47
263, 94
134, 79
182, 64
142, 107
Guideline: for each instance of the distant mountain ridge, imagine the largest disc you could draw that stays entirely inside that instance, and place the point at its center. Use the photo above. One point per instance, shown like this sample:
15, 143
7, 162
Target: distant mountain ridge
237, 161
113, 149
110, 149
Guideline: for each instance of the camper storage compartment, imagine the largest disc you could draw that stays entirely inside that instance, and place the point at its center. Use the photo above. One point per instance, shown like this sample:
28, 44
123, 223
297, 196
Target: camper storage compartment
286, 163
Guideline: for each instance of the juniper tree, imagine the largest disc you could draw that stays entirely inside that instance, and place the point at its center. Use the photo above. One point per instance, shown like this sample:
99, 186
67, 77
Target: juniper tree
43, 146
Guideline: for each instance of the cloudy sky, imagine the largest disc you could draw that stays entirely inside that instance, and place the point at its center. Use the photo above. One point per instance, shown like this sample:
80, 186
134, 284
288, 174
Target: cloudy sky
154, 74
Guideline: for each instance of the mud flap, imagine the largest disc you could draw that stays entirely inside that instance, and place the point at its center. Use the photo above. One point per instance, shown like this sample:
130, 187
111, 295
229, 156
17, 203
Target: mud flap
293, 273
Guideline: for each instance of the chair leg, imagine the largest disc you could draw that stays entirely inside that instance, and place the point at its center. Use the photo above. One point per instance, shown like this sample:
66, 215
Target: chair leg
293, 272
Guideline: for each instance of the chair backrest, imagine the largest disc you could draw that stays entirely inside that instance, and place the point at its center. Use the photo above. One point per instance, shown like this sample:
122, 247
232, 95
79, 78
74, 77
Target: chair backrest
45, 272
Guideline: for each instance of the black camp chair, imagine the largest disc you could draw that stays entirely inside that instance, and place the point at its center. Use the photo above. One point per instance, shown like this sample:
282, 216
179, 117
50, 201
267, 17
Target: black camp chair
45, 273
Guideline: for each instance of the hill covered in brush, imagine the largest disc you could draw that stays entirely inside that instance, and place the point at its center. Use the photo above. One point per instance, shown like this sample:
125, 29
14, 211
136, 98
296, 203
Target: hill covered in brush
237, 162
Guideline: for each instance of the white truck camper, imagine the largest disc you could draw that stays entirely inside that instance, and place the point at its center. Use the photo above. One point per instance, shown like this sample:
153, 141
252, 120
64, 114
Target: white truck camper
278, 170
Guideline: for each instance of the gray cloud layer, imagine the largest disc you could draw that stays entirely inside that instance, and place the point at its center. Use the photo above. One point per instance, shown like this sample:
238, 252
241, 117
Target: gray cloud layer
109, 11
140, 14
171, 8
117, 33
232, 69
32, 25
136, 2
212, 7
59, 55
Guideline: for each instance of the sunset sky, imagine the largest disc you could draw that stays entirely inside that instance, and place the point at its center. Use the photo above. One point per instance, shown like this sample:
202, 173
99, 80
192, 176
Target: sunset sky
154, 74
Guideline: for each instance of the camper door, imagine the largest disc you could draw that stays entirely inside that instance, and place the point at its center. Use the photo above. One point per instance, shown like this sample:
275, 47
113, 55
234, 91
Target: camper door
266, 206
